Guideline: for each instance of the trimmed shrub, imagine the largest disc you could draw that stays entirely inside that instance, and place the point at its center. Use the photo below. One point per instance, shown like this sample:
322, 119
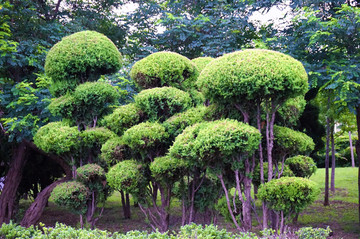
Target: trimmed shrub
288, 141
168, 170
90, 173
177, 123
253, 74
313, 233
302, 166
158, 104
122, 118
81, 57
146, 137
96, 137
290, 195
290, 112
57, 138
164, 69
90, 101
73, 195
127, 176
113, 150
201, 62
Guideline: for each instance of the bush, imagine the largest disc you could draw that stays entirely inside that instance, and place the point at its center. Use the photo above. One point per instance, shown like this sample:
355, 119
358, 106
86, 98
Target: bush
122, 118
126, 176
288, 194
253, 74
81, 57
201, 62
177, 123
113, 150
73, 195
302, 166
313, 233
90, 173
164, 69
168, 170
158, 104
90, 101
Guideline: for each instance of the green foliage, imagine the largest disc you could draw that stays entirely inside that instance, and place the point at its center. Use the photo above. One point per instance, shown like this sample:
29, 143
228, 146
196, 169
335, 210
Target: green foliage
90, 173
127, 176
218, 111
57, 138
208, 194
145, 138
287, 172
95, 137
177, 123
288, 194
113, 150
82, 56
168, 170
197, 97
216, 142
253, 75
190, 231
164, 69
73, 195
201, 62
288, 141
90, 101
313, 233
222, 207
122, 118
291, 110
302, 166
158, 104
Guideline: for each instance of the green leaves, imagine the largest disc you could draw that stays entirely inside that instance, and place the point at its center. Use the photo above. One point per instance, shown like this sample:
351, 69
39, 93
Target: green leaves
81, 57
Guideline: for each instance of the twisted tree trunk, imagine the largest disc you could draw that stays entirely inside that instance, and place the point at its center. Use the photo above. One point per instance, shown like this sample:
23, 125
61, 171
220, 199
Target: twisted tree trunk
12, 181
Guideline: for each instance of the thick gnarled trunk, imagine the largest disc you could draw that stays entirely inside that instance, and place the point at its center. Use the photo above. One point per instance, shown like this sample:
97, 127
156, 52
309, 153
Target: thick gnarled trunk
12, 181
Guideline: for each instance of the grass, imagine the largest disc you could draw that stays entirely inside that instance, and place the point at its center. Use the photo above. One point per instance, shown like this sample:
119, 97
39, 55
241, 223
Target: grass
346, 185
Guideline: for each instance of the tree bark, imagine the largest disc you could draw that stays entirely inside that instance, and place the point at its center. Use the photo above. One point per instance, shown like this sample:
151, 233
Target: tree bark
326, 198
36, 209
332, 187
12, 181
358, 154
351, 151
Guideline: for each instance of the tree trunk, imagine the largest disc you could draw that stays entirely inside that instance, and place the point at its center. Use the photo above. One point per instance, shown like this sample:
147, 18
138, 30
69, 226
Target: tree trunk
351, 151
332, 187
326, 199
11, 184
357, 146
125, 201
36, 209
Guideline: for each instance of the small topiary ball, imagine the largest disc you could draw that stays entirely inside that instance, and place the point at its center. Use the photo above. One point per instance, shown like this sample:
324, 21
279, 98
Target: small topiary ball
164, 69
302, 166
127, 176
253, 74
158, 104
72, 195
81, 57
90, 173
201, 62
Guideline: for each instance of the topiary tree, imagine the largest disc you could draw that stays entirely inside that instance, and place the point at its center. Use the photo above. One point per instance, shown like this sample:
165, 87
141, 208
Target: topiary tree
74, 64
219, 146
288, 196
201, 62
79, 58
159, 104
164, 69
302, 166
251, 81
290, 112
122, 118
289, 142
88, 103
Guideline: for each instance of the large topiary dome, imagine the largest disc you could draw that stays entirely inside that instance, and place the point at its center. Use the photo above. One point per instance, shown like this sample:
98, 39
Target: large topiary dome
164, 69
253, 74
81, 57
